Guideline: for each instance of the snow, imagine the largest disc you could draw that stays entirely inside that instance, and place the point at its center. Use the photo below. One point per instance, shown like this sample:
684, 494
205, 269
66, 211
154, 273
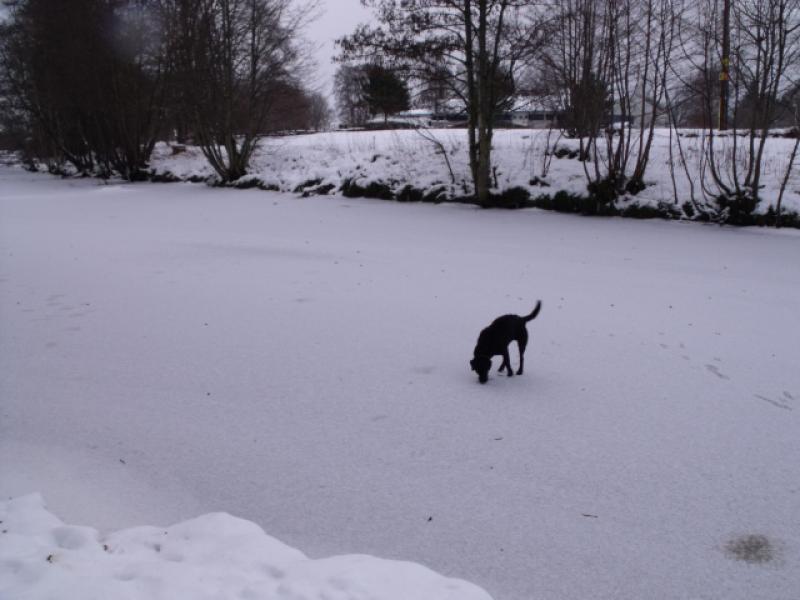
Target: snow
172, 350
405, 157
213, 556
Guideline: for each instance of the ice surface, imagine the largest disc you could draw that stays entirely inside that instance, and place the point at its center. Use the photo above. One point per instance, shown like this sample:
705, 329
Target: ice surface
173, 350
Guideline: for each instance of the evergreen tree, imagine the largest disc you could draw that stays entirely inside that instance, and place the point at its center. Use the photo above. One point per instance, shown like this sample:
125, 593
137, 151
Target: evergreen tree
384, 92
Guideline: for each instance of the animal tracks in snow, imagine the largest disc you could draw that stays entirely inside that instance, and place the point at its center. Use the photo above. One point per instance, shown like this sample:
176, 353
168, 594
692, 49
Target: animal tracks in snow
56, 308
776, 403
783, 401
711, 368
715, 370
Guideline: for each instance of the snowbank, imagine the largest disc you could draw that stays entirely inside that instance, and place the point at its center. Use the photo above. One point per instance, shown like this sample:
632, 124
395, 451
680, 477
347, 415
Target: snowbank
406, 165
211, 557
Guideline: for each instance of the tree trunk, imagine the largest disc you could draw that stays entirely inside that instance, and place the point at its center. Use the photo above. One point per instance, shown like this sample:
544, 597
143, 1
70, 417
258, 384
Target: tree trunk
484, 167
472, 98
484, 110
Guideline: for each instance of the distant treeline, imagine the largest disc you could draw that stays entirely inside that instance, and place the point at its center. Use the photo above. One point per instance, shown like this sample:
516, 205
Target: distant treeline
96, 83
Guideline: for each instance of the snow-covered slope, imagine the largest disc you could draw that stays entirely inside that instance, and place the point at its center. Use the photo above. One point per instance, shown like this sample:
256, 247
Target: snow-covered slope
401, 158
168, 351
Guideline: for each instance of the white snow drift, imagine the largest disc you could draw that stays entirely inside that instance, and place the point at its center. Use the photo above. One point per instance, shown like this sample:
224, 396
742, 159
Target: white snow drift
211, 557
400, 158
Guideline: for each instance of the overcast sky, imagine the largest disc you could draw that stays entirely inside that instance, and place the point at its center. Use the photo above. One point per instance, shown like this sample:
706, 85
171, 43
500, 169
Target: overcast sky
339, 17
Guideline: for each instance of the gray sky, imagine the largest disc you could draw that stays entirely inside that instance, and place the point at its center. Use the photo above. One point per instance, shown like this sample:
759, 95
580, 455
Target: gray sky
339, 17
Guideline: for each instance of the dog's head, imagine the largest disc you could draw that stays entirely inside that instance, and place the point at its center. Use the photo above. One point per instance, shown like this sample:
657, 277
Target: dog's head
481, 365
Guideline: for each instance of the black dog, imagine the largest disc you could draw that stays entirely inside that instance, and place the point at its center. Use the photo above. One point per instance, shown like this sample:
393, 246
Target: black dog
495, 340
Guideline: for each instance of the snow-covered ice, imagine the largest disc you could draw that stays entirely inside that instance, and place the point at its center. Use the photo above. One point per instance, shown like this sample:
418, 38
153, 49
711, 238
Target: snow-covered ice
168, 351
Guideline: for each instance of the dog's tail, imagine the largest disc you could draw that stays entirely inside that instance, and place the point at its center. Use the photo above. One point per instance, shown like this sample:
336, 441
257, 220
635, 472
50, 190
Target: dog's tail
535, 312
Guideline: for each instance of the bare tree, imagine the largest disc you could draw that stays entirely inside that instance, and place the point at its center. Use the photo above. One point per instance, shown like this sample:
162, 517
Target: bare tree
480, 43
768, 43
236, 56
290, 111
607, 60
765, 52
794, 105
435, 89
319, 112
348, 86
90, 77
569, 69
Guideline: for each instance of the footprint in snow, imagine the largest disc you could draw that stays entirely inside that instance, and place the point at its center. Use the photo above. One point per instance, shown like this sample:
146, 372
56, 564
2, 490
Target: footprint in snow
775, 403
715, 370
423, 370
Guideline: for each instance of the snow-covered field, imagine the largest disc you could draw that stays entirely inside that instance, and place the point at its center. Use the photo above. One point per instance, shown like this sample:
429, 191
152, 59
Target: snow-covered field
173, 350
405, 157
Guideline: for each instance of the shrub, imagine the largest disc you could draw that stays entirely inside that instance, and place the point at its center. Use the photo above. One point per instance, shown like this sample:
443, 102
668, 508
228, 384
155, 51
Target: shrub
247, 183
538, 181
645, 211
604, 191
737, 209
409, 194
374, 189
515, 197
325, 189
163, 177
307, 184
435, 195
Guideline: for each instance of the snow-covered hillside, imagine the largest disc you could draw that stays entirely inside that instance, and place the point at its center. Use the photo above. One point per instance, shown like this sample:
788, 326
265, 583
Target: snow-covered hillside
396, 159
168, 351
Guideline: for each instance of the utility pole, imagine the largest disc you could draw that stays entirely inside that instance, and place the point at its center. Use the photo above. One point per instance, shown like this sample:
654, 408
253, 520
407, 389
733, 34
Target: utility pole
724, 74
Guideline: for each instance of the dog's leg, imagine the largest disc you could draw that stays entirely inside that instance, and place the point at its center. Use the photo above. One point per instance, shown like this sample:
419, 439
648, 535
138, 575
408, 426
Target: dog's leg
522, 342
502, 365
507, 362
